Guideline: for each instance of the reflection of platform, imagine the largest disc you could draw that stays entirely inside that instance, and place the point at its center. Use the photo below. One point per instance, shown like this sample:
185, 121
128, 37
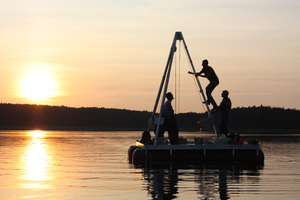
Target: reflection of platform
207, 181
189, 152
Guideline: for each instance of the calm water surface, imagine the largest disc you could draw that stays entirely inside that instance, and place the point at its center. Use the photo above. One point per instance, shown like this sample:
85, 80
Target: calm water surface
94, 165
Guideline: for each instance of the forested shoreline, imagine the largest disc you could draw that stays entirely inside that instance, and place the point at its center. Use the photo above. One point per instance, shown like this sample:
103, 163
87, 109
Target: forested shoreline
45, 117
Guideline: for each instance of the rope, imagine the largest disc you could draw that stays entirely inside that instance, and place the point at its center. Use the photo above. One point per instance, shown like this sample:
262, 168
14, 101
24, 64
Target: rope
177, 77
122, 159
115, 148
175, 82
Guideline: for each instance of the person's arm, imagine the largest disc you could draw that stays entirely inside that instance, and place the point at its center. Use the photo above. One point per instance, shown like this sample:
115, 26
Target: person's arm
207, 74
225, 105
220, 107
168, 110
198, 74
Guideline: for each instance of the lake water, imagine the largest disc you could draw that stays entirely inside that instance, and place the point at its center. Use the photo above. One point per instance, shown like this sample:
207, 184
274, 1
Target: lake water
94, 165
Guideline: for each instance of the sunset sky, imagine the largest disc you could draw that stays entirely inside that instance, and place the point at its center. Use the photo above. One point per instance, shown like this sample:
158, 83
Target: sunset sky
112, 53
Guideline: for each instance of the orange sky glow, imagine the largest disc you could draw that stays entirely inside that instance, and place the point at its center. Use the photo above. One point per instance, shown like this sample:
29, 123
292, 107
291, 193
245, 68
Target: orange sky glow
112, 54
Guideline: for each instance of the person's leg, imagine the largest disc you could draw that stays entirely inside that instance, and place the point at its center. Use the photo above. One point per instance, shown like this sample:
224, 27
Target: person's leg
208, 93
223, 124
170, 133
173, 132
210, 87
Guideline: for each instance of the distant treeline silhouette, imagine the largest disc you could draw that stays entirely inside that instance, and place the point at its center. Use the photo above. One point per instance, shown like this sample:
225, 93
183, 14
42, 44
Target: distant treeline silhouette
26, 116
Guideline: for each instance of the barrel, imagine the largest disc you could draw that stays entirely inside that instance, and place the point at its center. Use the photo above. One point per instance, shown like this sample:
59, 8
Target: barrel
130, 152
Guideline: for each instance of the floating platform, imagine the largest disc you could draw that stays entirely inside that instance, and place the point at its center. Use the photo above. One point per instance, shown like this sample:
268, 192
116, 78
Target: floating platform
196, 153
210, 151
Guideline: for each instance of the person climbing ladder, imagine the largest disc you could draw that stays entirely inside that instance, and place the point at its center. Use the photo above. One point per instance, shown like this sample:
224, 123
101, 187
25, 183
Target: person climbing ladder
210, 74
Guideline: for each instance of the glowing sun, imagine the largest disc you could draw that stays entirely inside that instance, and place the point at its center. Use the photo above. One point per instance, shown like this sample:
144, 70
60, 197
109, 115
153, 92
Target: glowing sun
38, 84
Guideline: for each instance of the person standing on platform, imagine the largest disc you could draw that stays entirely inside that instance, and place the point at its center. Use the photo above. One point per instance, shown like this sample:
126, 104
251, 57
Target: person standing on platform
210, 74
224, 108
170, 120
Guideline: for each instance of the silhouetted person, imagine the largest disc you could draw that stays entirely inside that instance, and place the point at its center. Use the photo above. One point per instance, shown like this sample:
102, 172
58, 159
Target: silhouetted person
170, 120
224, 108
162, 183
146, 138
223, 184
210, 74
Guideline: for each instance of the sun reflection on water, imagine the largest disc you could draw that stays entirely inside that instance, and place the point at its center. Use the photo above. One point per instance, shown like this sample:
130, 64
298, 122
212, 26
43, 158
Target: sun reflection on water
36, 161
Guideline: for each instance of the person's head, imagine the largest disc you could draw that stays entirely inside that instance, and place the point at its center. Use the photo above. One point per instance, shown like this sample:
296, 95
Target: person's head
169, 96
225, 94
205, 63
